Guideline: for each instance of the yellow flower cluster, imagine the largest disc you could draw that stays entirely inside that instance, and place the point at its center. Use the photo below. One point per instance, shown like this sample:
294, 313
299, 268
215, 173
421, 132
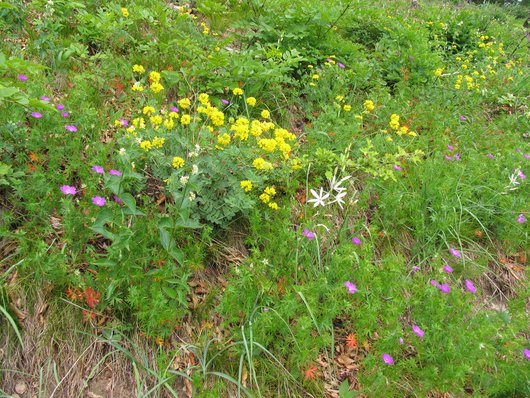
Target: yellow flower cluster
369, 105
267, 144
347, 107
246, 185
394, 121
138, 68
185, 120
265, 114
251, 101
124, 12
262, 164
155, 86
237, 91
185, 103
439, 72
216, 116
266, 197
137, 86
241, 128
177, 162
156, 142
224, 139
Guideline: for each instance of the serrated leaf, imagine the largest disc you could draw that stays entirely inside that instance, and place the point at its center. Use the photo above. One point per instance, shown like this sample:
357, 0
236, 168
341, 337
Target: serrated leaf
165, 238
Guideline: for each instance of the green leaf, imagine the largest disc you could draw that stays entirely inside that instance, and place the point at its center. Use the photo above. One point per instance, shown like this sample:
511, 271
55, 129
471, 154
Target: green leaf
6, 92
170, 292
3, 4
130, 202
165, 238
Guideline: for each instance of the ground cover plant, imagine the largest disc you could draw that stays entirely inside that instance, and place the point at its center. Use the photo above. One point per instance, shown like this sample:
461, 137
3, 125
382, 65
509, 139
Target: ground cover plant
264, 198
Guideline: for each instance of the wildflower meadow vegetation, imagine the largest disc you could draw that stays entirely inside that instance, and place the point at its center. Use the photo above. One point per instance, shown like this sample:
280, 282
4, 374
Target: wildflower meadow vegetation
264, 198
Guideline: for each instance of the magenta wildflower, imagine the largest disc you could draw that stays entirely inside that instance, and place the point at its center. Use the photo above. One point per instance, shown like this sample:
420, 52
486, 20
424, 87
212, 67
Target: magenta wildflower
98, 169
450, 147
36, 115
351, 287
456, 157
415, 269
44, 98
401, 341
527, 155
99, 201
447, 157
68, 190
329, 59
308, 234
447, 268
463, 118
490, 156
123, 122
387, 358
341, 65
65, 114
444, 288
22, 77
470, 287
117, 199
455, 252
521, 219
418, 331
356, 241
115, 173
59, 107
397, 168
434, 283
173, 109
226, 102
71, 128
522, 175
526, 353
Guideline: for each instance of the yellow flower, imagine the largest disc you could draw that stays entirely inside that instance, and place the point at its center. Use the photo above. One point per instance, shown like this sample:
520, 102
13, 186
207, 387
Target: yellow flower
146, 145
295, 164
339, 98
315, 77
273, 205
154, 77
267, 144
178, 162
185, 119
185, 103
156, 120
204, 99
158, 142
205, 31
139, 122
347, 108
261, 164
156, 87
265, 114
237, 91
148, 110
270, 191
310, 66
173, 115
124, 12
137, 87
224, 139
439, 72
246, 185
265, 198
369, 105
169, 123
251, 101
138, 68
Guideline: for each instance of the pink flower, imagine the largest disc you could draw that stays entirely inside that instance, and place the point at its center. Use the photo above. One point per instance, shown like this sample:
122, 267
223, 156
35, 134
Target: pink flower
447, 268
521, 219
99, 201
527, 155
522, 175
450, 147
22, 77
68, 190
341, 65
415, 269
351, 287
46, 99
397, 168
71, 128
65, 114
59, 107
117, 200
225, 102
98, 169
463, 118
455, 252
526, 353
387, 358
435, 283
356, 241
123, 122
470, 287
447, 157
174, 109
490, 156
308, 234
115, 173
36, 115
444, 288
401, 341
418, 331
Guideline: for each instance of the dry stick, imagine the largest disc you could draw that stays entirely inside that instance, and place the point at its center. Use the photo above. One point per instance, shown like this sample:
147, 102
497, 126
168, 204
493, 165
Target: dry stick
71, 368
339, 17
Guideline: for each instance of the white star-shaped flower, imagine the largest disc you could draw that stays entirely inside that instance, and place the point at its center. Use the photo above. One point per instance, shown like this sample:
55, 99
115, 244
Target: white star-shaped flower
319, 197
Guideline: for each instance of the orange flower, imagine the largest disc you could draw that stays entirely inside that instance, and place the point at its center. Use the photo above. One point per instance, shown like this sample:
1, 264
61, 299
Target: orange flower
310, 373
351, 340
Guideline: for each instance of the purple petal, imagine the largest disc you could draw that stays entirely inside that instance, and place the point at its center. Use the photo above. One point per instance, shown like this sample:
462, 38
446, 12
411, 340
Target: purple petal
447, 268
22, 77
527, 155
450, 147
490, 156
117, 199
463, 118
526, 353
387, 358
415, 269
455, 252
447, 157
356, 241
351, 287
174, 109
70, 128
341, 65
417, 330
521, 219
435, 283
226, 102
68, 190
124, 122
115, 173
98, 169
65, 114
401, 341
456, 157
470, 287
444, 288
59, 107
522, 176
397, 168
36, 115
44, 98
99, 201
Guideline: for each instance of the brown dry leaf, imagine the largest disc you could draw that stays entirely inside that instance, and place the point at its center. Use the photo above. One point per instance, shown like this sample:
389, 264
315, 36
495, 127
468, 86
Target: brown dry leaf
244, 376
21, 315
